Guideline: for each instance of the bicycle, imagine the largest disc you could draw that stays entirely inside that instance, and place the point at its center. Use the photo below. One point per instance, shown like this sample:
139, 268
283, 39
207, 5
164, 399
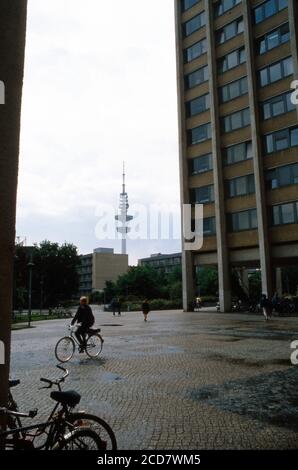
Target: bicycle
65, 347
58, 422
59, 432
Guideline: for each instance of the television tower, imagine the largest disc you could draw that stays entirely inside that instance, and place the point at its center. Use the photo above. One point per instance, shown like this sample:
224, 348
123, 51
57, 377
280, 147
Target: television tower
123, 218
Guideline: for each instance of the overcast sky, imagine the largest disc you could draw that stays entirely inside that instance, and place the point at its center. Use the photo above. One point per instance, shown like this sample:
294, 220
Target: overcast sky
99, 88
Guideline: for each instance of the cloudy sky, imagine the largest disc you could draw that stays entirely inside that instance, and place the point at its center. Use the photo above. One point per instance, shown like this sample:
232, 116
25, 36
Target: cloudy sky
99, 88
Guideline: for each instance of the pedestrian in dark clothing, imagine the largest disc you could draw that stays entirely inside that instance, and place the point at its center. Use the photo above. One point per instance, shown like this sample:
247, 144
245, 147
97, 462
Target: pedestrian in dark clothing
266, 306
145, 309
85, 318
275, 302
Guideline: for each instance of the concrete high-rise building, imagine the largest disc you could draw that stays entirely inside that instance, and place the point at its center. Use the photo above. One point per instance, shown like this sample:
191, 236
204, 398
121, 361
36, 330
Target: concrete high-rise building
238, 133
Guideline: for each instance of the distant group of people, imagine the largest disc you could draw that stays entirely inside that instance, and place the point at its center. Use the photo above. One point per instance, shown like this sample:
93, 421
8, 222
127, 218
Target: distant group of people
116, 307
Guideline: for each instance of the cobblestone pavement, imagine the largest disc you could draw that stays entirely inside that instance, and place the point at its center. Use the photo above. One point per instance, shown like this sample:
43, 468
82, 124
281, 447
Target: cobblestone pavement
180, 381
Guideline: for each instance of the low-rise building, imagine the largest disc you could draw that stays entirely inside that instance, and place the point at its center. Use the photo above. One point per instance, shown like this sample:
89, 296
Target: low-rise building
98, 267
162, 262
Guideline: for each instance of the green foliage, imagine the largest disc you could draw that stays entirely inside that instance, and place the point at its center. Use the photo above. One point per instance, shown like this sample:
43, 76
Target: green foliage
208, 280
142, 282
54, 274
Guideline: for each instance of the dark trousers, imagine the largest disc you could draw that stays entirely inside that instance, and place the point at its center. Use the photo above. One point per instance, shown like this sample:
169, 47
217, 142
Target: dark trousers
81, 334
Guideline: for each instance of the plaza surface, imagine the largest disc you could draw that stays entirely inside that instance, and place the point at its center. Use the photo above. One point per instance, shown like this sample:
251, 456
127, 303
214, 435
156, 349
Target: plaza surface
199, 380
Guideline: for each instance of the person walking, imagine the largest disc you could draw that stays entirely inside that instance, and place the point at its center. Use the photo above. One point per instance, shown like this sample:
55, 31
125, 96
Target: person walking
145, 309
266, 306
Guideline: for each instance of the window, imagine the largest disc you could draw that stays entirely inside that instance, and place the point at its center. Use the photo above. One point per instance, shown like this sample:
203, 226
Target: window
209, 227
186, 4
278, 105
229, 31
231, 60
276, 71
273, 39
285, 214
237, 153
282, 176
233, 90
281, 140
194, 24
244, 220
195, 51
222, 6
241, 186
198, 105
236, 120
202, 195
199, 134
197, 77
201, 164
267, 9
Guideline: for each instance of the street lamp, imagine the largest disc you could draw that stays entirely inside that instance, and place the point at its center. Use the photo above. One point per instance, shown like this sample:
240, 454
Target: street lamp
41, 294
30, 266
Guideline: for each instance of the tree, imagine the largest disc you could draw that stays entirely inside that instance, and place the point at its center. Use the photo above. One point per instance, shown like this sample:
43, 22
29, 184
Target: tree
208, 280
12, 46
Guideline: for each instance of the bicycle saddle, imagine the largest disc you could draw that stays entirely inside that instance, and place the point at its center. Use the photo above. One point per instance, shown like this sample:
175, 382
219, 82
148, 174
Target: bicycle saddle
13, 383
70, 398
92, 331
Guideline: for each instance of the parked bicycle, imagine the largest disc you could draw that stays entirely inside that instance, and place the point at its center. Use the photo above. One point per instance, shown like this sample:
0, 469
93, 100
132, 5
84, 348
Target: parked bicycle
65, 347
64, 428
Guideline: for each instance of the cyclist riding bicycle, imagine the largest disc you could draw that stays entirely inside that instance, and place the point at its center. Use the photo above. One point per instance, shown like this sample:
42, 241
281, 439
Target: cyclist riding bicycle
85, 317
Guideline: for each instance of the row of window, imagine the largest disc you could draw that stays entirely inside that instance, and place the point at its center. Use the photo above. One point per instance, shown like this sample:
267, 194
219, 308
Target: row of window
273, 39
277, 105
274, 72
199, 134
198, 105
281, 214
197, 77
202, 195
268, 9
282, 176
194, 24
195, 51
269, 74
200, 164
231, 60
235, 120
233, 90
260, 13
229, 31
281, 140
222, 6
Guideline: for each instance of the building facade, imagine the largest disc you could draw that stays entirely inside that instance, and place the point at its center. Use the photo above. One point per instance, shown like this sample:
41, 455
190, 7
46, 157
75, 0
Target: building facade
238, 136
98, 267
166, 263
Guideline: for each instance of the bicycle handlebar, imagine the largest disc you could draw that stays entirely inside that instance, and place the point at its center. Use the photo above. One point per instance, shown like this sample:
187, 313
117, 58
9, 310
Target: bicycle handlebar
58, 381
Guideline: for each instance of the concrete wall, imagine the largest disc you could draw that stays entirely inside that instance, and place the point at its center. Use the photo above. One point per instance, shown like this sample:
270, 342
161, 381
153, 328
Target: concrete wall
107, 267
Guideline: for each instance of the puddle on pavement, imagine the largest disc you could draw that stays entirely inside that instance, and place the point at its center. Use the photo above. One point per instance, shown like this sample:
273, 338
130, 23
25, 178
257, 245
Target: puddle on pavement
267, 398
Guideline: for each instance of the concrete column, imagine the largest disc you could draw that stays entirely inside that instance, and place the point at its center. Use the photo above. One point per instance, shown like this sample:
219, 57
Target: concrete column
293, 23
263, 231
188, 283
278, 280
224, 274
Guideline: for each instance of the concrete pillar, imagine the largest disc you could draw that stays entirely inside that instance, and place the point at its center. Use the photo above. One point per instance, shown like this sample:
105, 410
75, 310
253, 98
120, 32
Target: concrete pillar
263, 231
224, 274
293, 24
188, 282
278, 280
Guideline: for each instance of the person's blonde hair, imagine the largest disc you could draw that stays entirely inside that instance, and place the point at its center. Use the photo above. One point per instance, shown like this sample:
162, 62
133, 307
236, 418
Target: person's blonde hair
83, 298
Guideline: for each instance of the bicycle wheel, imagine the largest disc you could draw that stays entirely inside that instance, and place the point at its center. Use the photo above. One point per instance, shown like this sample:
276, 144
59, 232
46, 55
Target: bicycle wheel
65, 349
102, 429
80, 439
94, 345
